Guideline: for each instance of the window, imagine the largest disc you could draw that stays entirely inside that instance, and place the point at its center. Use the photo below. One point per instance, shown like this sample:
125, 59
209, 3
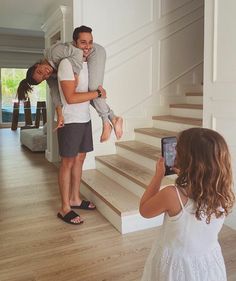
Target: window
10, 78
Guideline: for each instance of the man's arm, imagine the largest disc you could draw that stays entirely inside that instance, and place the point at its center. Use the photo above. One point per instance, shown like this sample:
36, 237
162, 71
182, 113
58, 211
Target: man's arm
68, 88
68, 85
54, 90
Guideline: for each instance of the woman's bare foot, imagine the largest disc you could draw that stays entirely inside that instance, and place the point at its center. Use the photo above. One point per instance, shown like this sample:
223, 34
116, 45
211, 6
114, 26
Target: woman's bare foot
117, 123
106, 131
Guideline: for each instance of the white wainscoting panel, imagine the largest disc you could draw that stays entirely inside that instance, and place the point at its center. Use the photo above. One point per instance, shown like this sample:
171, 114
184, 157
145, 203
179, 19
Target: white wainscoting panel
152, 46
222, 125
224, 43
220, 74
117, 19
225, 124
131, 81
168, 6
176, 52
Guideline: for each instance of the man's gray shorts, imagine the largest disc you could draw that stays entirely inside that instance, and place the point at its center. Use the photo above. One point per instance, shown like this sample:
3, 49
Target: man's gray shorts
75, 138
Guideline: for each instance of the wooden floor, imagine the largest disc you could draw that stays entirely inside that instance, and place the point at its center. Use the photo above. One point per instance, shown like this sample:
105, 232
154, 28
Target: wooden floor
36, 246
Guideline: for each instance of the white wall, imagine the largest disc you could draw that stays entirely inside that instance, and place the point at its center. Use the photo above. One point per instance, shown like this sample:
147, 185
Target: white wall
152, 47
220, 73
54, 6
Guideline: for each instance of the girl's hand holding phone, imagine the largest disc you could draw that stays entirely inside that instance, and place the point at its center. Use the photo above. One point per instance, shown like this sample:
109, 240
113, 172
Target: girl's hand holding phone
160, 168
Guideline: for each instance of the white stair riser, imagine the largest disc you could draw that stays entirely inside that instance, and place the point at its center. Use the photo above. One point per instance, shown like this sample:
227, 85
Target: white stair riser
122, 180
127, 183
186, 112
124, 224
171, 126
137, 222
102, 207
139, 159
155, 141
194, 99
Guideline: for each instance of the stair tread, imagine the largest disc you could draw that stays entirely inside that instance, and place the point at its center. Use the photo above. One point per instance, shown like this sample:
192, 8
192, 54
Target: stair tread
186, 105
116, 196
197, 94
141, 148
154, 132
178, 119
133, 171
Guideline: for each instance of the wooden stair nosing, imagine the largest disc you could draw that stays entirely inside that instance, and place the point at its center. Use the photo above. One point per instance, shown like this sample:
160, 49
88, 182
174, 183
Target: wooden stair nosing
197, 94
106, 201
121, 172
178, 119
142, 182
154, 132
187, 106
147, 150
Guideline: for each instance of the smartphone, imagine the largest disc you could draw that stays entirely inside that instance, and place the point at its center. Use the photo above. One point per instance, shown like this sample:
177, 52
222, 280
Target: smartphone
168, 145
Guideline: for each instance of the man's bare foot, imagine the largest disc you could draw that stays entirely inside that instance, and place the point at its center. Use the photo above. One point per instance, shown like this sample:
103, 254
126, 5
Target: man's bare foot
117, 123
106, 132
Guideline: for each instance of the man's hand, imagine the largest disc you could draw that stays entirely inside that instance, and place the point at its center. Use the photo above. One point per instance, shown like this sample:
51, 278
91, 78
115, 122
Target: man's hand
103, 92
60, 122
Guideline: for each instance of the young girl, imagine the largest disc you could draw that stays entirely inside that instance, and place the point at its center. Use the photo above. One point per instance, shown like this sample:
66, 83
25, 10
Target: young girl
187, 248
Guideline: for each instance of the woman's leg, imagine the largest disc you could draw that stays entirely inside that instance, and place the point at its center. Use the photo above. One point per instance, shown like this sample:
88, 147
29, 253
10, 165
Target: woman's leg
96, 68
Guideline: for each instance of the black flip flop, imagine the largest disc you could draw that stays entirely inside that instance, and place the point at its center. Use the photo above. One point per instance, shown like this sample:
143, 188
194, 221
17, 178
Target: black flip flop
84, 205
68, 217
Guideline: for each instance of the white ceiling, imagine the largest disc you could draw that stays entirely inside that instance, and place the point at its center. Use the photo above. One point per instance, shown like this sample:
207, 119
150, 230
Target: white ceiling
26, 16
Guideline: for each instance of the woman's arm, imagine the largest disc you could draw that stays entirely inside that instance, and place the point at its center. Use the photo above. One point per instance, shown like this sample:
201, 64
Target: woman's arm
60, 117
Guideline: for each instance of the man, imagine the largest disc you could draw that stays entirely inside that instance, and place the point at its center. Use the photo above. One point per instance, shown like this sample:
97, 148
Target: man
46, 70
75, 137
96, 67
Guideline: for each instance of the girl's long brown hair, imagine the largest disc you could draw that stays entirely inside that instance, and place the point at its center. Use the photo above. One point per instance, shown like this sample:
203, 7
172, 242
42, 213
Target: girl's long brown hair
25, 86
205, 172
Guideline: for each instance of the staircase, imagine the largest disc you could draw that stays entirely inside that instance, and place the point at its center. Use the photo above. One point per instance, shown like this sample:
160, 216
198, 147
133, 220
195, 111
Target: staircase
119, 180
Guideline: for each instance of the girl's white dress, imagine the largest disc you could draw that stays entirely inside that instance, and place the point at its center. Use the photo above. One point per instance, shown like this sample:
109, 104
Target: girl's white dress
186, 249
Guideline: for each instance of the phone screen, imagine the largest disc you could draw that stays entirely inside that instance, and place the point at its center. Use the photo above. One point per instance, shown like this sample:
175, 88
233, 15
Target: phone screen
168, 145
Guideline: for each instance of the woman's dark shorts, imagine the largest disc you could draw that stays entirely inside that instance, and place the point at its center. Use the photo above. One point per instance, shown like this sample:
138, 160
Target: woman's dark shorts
75, 138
